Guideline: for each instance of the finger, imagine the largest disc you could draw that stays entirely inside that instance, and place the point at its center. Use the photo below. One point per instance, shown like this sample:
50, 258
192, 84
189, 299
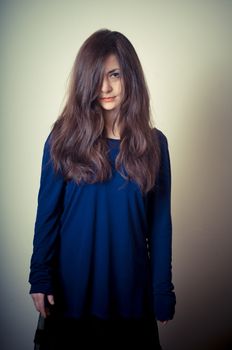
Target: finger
38, 299
51, 299
40, 306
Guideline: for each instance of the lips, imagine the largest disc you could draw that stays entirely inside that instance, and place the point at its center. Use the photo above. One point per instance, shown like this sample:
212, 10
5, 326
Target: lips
107, 99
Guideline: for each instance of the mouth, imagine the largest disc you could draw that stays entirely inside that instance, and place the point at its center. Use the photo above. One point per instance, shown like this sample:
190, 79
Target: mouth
107, 99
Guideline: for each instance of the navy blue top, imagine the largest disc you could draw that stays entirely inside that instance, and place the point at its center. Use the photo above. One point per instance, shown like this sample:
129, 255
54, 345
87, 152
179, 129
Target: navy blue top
104, 249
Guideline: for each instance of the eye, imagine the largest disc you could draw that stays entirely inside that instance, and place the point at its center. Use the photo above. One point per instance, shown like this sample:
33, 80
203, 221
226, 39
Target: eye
115, 75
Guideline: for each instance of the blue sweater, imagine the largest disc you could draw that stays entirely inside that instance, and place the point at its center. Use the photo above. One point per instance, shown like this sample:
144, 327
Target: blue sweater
104, 249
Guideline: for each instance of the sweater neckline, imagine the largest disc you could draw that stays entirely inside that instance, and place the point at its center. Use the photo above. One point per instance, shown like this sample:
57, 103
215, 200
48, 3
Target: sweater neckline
109, 138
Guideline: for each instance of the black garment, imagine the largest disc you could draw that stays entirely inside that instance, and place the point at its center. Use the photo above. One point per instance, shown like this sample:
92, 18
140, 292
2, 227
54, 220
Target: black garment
93, 332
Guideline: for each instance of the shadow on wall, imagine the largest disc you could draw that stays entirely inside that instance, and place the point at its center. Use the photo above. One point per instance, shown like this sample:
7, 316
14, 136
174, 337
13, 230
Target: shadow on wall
221, 342
202, 228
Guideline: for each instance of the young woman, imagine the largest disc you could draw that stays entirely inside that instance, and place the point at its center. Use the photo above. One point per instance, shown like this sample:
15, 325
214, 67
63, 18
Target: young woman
101, 269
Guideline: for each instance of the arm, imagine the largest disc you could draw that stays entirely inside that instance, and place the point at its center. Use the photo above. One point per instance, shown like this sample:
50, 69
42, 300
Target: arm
160, 238
46, 229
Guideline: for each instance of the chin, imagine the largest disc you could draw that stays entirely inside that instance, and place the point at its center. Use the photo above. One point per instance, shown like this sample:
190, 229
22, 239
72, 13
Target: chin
109, 108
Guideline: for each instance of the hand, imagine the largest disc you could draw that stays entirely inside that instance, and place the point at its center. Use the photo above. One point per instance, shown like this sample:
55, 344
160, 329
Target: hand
164, 322
39, 302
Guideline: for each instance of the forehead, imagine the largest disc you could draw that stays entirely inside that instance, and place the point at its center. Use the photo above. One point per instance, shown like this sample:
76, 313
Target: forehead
111, 63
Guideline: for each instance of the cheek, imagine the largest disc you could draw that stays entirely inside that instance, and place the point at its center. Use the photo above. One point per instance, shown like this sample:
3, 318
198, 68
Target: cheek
120, 89
121, 93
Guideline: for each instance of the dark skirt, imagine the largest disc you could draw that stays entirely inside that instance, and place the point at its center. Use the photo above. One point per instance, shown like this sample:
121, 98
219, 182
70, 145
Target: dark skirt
71, 334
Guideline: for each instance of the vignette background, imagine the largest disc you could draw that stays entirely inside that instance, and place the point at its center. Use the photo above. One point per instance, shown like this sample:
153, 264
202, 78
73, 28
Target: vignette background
186, 52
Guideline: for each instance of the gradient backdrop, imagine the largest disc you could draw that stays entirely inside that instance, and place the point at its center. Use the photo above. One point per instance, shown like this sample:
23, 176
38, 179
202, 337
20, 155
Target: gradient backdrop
186, 52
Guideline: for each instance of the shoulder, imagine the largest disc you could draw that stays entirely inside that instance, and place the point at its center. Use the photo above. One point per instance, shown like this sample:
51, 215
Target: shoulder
47, 144
47, 149
160, 136
164, 147
48, 140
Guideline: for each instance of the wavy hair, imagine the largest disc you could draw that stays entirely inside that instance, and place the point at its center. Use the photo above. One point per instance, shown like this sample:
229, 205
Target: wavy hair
78, 144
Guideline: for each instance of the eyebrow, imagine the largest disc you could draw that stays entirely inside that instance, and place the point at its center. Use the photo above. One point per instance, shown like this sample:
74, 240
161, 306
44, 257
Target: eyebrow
113, 70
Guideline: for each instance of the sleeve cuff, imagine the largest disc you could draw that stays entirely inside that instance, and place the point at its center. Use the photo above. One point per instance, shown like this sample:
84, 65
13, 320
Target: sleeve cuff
40, 288
164, 306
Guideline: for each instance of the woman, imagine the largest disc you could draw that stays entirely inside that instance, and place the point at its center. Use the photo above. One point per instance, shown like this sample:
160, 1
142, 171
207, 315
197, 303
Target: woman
101, 266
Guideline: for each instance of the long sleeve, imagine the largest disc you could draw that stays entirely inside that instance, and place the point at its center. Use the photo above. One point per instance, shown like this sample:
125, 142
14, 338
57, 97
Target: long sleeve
160, 238
46, 228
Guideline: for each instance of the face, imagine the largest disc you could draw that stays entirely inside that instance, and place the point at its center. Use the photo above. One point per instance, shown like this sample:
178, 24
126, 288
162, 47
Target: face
111, 93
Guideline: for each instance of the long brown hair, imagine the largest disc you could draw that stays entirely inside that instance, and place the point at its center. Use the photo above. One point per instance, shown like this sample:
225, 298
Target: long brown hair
78, 144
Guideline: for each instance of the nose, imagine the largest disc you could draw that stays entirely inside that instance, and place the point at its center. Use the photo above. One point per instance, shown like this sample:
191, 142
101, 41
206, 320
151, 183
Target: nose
106, 87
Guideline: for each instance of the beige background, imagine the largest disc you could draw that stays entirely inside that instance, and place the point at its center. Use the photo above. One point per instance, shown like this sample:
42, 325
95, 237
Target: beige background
185, 49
